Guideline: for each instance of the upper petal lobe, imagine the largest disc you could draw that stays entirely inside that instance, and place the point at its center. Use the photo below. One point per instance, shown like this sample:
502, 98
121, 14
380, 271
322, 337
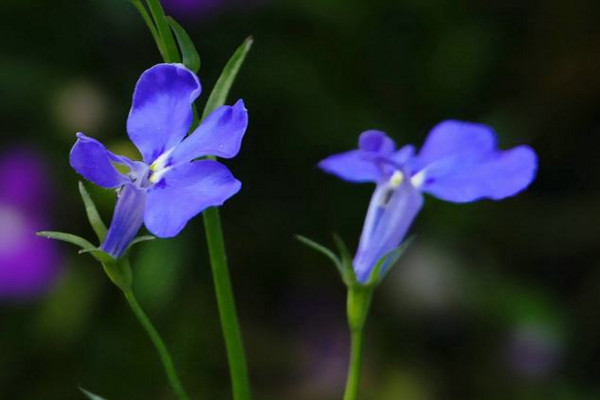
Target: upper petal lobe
161, 113
220, 134
184, 191
90, 159
353, 166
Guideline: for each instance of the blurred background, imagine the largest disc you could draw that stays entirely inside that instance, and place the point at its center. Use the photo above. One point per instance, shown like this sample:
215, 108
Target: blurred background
492, 301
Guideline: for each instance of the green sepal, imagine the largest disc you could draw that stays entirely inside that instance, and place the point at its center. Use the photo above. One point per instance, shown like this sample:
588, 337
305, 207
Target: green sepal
391, 259
92, 213
67, 237
323, 250
348, 274
91, 395
140, 239
219, 94
189, 54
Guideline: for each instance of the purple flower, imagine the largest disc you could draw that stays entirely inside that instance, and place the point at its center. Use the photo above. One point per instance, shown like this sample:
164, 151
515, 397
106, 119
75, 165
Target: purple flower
167, 188
459, 162
29, 265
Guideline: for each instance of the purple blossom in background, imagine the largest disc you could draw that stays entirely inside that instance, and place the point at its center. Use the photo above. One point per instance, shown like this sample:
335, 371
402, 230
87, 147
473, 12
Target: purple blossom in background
29, 265
167, 188
459, 162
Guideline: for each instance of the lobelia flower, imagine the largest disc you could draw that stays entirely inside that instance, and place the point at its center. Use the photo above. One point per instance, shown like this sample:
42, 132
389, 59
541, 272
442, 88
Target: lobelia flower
167, 188
459, 162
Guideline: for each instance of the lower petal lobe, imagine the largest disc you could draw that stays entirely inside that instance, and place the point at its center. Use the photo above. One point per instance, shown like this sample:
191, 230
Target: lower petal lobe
127, 220
498, 175
184, 191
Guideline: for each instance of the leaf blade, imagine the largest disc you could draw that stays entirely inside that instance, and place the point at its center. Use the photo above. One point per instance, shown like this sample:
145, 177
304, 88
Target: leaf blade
189, 54
219, 94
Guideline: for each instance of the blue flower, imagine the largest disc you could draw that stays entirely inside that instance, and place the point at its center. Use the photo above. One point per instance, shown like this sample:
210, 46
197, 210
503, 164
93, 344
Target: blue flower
459, 162
167, 188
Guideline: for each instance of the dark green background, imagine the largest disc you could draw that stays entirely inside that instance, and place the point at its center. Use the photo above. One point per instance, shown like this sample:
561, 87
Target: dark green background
322, 71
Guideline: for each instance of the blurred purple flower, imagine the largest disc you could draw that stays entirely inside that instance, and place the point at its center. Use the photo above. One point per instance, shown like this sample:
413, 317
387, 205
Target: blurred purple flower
167, 188
459, 162
29, 265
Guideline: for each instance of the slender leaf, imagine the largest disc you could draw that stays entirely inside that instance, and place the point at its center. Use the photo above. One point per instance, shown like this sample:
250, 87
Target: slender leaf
219, 94
67, 237
92, 213
91, 395
189, 54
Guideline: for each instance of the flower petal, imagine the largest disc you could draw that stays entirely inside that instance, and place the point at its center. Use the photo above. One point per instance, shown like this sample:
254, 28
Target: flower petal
353, 166
376, 142
91, 160
386, 225
184, 191
161, 113
498, 175
220, 134
127, 220
455, 138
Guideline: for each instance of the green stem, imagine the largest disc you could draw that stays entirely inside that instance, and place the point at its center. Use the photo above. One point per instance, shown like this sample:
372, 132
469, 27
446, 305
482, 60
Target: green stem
226, 303
358, 305
165, 357
167, 42
354, 368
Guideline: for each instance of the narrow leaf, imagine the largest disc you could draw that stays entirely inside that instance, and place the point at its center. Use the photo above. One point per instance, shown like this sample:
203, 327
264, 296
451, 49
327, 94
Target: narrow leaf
67, 237
91, 395
92, 213
220, 92
323, 250
189, 54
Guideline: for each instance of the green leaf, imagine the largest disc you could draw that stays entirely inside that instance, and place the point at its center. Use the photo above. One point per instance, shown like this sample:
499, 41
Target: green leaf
189, 54
323, 250
92, 213
220, 92
91, 395
67, 237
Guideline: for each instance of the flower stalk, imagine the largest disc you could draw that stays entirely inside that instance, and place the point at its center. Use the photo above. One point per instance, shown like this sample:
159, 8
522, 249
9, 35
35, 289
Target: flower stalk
358, 305
159, 344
